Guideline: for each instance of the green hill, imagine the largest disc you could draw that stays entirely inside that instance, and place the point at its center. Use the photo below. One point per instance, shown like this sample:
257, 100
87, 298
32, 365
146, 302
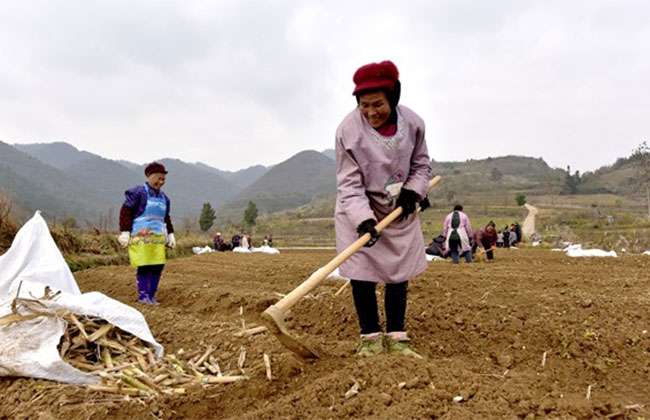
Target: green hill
289, 184
34, 185
241, 178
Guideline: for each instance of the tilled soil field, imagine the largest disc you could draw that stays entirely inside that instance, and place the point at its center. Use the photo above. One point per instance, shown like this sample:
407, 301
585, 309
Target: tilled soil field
535, 334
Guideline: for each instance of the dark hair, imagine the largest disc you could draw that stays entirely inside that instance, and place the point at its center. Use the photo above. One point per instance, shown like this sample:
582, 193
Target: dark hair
154, 168
491, 223
458, 207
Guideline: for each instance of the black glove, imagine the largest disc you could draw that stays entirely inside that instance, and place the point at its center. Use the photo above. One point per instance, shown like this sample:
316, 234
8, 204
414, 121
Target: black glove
407, 200
368, 226
425, 204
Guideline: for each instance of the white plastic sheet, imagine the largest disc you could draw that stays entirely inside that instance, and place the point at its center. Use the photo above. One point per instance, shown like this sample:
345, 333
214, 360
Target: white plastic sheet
265, 249
576, 250
241, 250
34, 257
29, 348
202, 250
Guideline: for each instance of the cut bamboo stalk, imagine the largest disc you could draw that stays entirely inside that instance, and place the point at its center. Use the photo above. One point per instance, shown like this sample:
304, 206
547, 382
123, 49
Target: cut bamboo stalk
222, 379
114, 389
78, 341
205, 356
215, 363
151, 358
213, 370
134, 348
242, 358
141, 361
184, 380
112, 344
161, 377
85, 366
267, 365
101, 332
251, 331
65, 345
174, 391
130, 380
342, 288
106, 357
79, 326
146, 379
118, 367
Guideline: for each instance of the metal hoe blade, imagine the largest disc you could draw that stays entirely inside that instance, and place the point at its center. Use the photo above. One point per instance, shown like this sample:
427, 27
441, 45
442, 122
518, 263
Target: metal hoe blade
273, 317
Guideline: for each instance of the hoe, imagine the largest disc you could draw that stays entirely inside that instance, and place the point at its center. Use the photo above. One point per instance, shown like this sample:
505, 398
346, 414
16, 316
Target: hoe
274, 315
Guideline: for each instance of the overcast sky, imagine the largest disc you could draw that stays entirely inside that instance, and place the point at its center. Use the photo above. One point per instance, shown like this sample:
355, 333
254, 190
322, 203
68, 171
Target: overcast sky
236, 83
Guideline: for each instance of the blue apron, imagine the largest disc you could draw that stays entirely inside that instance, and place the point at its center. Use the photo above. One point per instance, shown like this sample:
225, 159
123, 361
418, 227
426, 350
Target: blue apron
149, 232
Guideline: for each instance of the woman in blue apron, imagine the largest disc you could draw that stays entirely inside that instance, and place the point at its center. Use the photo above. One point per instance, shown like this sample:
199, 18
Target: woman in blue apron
146, 229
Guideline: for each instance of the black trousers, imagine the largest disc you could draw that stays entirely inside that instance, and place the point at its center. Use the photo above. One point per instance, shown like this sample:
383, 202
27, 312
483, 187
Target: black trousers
365, 302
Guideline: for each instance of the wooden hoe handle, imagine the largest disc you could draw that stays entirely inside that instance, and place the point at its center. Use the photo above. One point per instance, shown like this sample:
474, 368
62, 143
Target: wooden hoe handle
319, 275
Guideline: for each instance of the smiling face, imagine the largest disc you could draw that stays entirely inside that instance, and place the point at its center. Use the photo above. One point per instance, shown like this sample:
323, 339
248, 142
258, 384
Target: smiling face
375, 108
156, 180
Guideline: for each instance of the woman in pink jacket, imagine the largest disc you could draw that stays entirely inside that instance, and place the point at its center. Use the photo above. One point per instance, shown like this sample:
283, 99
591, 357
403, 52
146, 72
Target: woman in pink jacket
457, 230
381, 163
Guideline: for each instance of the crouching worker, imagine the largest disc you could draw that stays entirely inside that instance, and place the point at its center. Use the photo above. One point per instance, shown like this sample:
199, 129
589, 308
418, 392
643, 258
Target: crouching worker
381, 163
146, 229
486, 239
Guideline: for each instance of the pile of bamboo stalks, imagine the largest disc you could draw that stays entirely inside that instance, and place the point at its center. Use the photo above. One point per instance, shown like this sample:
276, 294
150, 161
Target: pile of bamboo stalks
128, 366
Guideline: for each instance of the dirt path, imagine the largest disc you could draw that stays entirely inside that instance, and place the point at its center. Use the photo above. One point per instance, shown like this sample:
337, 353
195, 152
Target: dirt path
484, 329
528, 228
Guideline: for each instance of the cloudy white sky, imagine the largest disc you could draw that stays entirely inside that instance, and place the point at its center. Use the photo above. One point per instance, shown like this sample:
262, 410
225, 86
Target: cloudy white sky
236, 83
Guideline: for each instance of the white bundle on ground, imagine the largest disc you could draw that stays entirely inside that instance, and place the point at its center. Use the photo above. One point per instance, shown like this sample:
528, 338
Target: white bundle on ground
205, 250
29, 339
241, 250
265, 249
434, 258
576, 250
646, 253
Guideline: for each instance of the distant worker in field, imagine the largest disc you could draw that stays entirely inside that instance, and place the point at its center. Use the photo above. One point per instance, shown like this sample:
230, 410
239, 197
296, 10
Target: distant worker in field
499, 239
506, 237
458, 231
486, 239
236, 241
437, 247
219, 243
381, 163
146, 228
513, 238
244, 241
515, 227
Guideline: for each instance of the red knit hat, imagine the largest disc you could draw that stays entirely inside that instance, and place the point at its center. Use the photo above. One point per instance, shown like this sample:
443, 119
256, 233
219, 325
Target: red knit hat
154, 168
375, 76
